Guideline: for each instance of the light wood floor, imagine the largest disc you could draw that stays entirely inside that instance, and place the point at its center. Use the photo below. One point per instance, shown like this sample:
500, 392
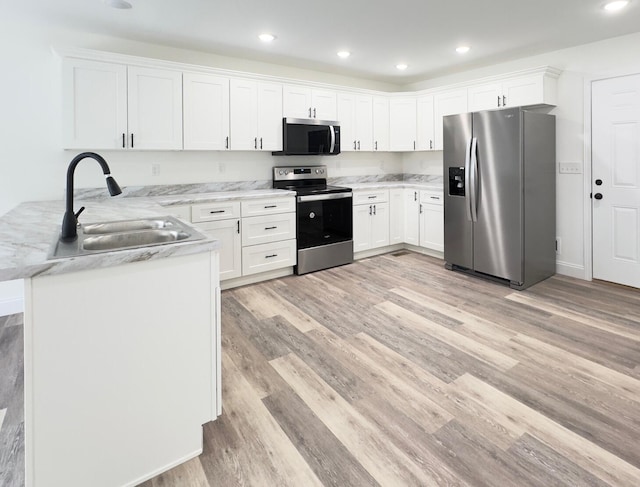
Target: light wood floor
393, 371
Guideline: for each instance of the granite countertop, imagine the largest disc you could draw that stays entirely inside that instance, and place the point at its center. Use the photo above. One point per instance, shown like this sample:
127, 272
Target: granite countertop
428, 186
28, 232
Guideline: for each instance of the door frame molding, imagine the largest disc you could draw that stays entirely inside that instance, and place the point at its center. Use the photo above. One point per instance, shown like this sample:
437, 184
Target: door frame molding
588, 165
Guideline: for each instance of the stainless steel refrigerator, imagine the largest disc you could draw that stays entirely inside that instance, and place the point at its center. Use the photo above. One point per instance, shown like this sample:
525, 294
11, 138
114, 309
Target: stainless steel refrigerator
499, 195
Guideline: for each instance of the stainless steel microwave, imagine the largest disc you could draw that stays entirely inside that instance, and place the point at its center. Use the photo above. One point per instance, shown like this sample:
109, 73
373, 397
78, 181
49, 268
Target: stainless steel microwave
309, 137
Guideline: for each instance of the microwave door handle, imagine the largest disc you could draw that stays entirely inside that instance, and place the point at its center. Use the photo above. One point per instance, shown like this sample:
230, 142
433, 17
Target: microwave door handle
332, 140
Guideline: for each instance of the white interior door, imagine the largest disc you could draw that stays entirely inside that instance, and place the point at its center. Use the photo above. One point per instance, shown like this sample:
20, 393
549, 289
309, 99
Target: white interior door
616, 179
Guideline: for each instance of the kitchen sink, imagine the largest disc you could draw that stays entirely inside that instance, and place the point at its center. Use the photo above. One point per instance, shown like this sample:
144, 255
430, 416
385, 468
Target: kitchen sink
127, 225
125, 234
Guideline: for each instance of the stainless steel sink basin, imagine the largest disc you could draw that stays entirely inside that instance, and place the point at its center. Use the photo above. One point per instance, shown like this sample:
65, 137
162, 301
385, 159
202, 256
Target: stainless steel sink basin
127, 226
125, 234
133, 239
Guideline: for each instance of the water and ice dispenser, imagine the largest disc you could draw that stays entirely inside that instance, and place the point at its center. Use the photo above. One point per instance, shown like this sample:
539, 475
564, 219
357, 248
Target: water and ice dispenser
456, 181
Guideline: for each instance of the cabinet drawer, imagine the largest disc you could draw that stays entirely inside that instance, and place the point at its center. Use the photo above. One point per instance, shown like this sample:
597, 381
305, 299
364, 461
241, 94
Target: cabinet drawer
268, 206
267, 257
431, 197
367, 197
209, 212
270, 228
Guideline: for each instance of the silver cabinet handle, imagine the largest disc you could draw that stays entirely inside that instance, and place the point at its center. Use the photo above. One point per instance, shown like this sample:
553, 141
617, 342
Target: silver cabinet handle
271, 206
376, 145
415, 196
255, 142
226, 143
123, 140
504, 101
358, 145
372, 197
132, 141
270, 256
213, 212
270, 228
238, 223
420, 208
370, 210
434, 197
309, 112
314, 113
430, 144
374, 209
260, 143
498, 101
354, 145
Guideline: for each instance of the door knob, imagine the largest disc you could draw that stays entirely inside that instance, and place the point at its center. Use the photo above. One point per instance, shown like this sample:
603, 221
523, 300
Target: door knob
598, 182
598, 196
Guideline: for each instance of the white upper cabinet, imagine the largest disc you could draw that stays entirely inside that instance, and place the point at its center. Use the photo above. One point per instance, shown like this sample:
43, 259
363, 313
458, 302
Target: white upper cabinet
402, 122
155, 108
305, 102
355, 114
206, 112
256, 115
425, 136
95, 105
447, 103
380, 123
535, 89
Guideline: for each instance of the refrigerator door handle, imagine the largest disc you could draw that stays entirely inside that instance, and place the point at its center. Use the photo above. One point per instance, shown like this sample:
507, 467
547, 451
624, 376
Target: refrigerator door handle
474, 179
467, 179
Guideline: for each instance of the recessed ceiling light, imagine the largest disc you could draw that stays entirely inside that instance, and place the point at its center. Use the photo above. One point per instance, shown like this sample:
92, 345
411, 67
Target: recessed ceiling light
615, 6
462, 49
344, 54
266, 37
121, 4
401, 67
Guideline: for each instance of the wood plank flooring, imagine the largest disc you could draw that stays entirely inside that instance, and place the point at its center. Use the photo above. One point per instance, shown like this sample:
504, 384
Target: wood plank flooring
394, 371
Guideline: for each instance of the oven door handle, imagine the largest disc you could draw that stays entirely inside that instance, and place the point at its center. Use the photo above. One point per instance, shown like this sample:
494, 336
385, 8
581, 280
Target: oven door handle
320, 197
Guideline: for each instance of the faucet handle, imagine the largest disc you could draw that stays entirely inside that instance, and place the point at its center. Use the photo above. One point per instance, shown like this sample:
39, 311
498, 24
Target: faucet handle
78, 212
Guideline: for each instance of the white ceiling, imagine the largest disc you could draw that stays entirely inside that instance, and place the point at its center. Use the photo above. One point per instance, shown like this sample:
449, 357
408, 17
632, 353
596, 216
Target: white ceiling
380, 34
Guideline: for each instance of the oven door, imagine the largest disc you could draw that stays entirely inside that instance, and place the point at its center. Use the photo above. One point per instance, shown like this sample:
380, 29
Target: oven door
324, 219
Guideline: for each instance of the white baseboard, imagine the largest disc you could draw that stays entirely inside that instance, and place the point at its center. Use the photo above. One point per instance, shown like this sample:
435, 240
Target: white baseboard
11, 306
255, 278
572, 270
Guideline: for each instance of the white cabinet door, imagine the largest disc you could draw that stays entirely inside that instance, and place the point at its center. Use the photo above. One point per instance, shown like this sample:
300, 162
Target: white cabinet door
270, 116
206, 112
296, 101
347, 118
425, 137
448, 103
362, 227
364, 122
412, 216
380, 225
244, 114
228, 232
396, 216
432, 227
485, 97
527, 90
155, 108
324, 105
402, 122
380, 123
95, 105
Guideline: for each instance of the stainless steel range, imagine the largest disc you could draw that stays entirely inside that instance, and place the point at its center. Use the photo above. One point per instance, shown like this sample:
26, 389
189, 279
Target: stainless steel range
324, 217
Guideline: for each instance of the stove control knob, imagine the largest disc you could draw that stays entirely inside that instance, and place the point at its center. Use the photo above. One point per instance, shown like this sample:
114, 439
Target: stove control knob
281, 172
286, 171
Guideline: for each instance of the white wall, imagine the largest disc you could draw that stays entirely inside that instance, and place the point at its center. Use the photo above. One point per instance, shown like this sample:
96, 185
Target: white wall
580, 64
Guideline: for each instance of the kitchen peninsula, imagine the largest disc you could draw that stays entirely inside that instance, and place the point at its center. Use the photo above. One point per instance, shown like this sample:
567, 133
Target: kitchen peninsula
122, 348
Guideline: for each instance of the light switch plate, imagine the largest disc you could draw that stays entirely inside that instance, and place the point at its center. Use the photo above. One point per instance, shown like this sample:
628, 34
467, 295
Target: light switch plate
570, 168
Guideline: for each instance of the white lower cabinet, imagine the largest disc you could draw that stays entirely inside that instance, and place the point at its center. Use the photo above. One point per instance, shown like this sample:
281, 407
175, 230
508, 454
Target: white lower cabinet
431, 221
268, 257
221, 220
370, 220
263, 229
228, 232
396, 216
412, 216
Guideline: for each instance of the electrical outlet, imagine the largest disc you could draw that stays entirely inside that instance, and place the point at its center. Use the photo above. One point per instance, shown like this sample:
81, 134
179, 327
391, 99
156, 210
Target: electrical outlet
155, 169
558, 246
570, 168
